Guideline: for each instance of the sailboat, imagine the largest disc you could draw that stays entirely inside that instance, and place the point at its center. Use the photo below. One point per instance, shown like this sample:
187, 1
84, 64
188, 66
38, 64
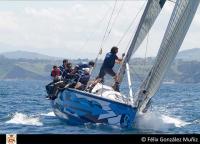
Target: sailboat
103, 104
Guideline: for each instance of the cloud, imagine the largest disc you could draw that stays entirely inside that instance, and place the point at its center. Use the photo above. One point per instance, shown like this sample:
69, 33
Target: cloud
8, 21
78, 27
196, 20
46, 13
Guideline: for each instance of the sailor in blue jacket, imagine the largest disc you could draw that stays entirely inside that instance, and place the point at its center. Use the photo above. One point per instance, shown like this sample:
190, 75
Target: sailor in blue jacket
63, 66
83, 79
89, 65
107, 67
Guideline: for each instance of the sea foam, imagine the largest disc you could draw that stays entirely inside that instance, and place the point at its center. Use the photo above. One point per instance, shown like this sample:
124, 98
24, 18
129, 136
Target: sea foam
156, 121
48, 114
20, 118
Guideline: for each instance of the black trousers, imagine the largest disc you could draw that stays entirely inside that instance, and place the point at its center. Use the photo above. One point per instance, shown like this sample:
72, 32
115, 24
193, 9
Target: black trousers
104, 71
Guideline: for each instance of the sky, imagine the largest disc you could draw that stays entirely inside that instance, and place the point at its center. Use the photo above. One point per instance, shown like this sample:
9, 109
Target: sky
75, 29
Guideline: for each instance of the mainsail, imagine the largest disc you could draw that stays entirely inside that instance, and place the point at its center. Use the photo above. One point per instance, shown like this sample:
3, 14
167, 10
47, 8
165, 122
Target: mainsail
177, 28
148, 18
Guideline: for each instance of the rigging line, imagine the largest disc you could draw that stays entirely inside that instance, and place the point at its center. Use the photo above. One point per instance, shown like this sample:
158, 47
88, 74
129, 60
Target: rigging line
98, 23
137, 75
145, 56
129, 43
130, 24
111, 27
126, 50
100, 48
129, 27
108, 24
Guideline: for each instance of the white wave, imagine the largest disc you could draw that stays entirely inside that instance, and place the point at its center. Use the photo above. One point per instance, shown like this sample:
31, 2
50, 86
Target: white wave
48, 114
20, 118
156, 121
175, 121
197, 121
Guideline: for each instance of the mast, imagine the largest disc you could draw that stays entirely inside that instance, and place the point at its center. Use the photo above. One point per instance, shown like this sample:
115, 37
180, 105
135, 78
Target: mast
148, 18
129, 81
177, 28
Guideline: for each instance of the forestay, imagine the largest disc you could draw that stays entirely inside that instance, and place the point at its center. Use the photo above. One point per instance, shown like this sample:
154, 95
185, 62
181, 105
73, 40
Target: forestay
148, 18
177, 28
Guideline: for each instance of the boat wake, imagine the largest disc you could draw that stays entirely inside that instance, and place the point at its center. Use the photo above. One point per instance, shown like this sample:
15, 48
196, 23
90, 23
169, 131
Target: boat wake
103, 128
147, 122
20, 118
159, 122
197, 121
51, 114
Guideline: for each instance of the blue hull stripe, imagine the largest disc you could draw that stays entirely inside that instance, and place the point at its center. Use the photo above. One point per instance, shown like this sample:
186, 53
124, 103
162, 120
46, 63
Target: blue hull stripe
97, 97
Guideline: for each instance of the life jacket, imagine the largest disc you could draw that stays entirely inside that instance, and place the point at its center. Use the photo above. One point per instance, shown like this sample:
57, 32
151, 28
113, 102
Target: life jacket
55, 72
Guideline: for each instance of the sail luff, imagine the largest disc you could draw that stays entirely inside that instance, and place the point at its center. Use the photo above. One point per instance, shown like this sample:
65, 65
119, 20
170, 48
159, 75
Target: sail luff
148, 18
177, 28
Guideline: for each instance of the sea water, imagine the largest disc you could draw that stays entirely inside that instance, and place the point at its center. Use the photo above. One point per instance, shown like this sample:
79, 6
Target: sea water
24, 110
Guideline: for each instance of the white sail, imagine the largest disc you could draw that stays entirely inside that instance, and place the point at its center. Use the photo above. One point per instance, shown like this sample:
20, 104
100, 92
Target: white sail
148, 18
177, 28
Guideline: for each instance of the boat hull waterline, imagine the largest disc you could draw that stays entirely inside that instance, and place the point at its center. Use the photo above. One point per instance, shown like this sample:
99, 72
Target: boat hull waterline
79, 107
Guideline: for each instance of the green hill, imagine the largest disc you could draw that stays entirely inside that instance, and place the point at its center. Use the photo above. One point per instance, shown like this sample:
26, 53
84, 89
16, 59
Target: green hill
189, 55
27, 55
19, 73
180, 71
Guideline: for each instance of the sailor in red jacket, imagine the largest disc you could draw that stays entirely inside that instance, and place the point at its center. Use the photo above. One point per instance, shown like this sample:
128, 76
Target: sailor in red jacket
55, 74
